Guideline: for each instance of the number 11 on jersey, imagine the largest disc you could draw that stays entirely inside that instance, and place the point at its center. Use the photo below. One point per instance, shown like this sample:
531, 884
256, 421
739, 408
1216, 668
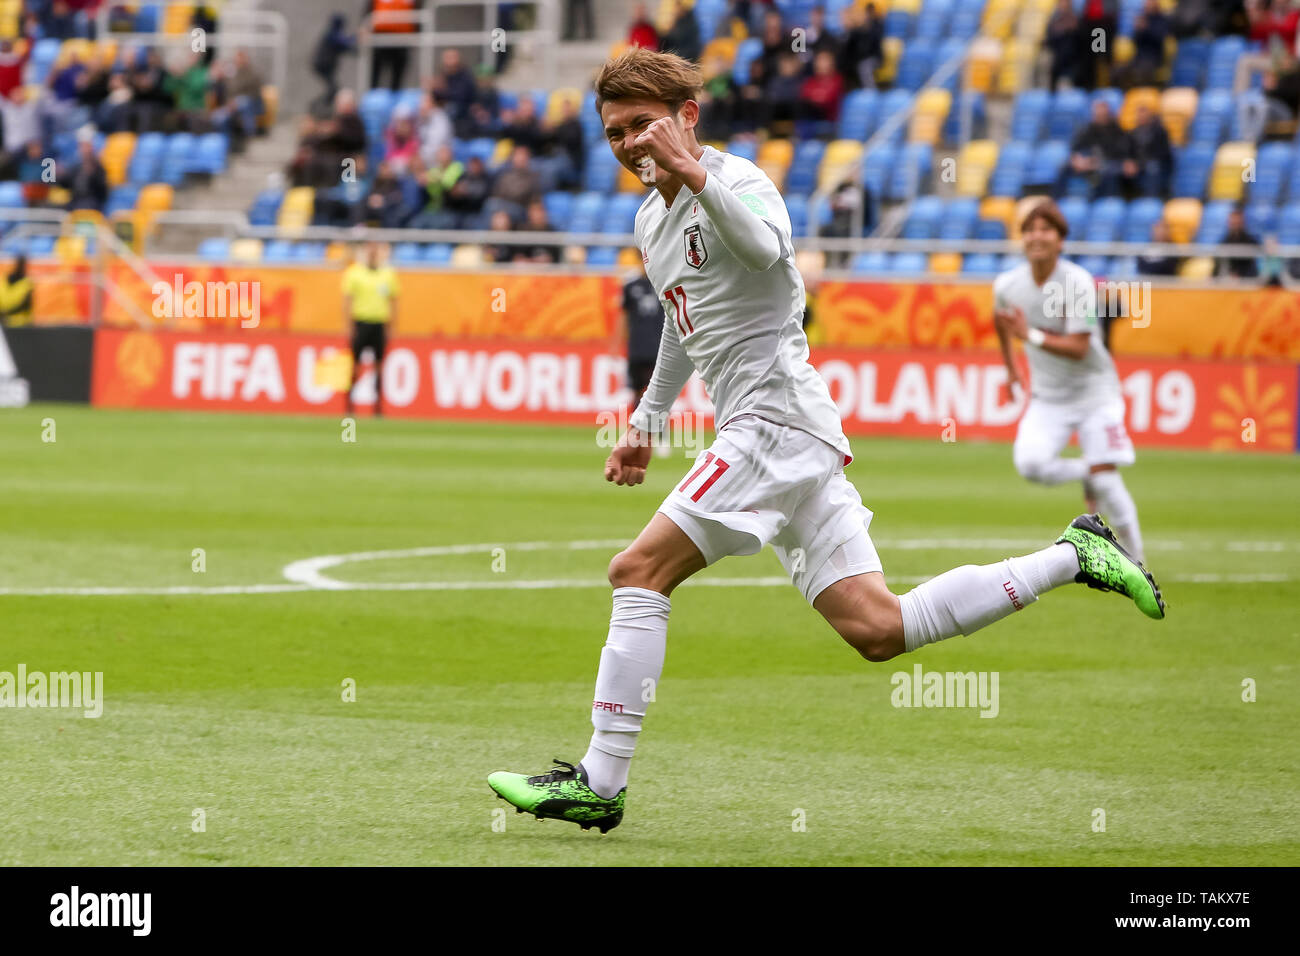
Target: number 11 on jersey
677, 299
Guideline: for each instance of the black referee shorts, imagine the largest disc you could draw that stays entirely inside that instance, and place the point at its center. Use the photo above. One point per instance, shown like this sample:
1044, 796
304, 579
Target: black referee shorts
369, 335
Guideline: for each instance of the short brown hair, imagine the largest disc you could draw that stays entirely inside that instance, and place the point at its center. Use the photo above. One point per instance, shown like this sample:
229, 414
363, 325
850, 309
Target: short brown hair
1050, 213
638, 73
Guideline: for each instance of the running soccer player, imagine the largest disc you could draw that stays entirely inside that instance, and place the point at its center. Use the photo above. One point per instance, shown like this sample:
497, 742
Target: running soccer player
1050, 304
716, 239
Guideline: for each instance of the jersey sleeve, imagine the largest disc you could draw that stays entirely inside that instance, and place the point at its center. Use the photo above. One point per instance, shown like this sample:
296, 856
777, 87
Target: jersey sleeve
750, 218
672, 368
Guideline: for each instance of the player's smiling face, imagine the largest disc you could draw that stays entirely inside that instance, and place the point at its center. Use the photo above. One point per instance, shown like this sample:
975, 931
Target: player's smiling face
1042, 241
625, 120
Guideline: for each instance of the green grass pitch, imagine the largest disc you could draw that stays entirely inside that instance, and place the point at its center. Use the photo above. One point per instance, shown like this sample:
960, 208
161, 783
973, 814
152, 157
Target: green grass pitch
770, 742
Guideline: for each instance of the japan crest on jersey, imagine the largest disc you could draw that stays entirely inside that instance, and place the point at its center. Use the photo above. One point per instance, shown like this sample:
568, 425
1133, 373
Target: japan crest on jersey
696, 254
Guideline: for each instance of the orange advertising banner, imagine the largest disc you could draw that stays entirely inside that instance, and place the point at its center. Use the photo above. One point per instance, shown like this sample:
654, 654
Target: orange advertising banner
1175, 322
1227, 405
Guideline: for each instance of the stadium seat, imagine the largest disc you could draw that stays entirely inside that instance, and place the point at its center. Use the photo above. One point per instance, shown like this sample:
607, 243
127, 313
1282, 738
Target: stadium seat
909, 263
975, 163
246, 250
277, 251
1288, 225
1196, 268
1210, 124
1046, 163
1068, 112
923, 218
588, 212
1096, 265
1261, 219
122, 199
296, 208
931, 111
602, 256
620, 213
1134, 99
876, 167
1017, 67
405, 253
209, 154
1029, 115
980, 263
745, 148
802, 176
1231, 162
870, 263
11, 195
747, 52
959, 219
1221, 70
265, 207
1189, 63
858, 114
1009, 173
1272, 166
1105, 220
437, 253
911, 174
1142, 215
1075, 210
1214, 221
214, 249
952, 127
838, 161
1110, 96
559, 207
1192, 170
992, 229
796, 205
915, 65
1183, 217
156, 197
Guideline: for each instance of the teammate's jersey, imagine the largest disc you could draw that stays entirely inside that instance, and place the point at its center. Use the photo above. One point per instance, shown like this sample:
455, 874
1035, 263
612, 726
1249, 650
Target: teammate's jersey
741, 330
1065, 304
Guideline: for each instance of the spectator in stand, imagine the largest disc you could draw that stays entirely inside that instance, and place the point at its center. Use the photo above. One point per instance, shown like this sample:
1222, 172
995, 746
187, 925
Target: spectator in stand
20, 118
455, 84
777, 42
391, 18
189, 92
86, 180
1276, 102
818, 38
642, 32
515, 186
468, 197
433, 128
401, 145
717, 98
1238, 267
502, 250
58, 21
386, 204
562, 146
246, 92
149, 96
439, 180
113, 113
1098, 28
753, 112
845, 201
1273, 25
1152, 163
11, 66
823, 91
1062, 41
1150, 31
783, 95
683, 37
1157, 263
485, 89
1099, 151
63, 109
536, 220
576, 11
863, 52
32, 173
477, 123
521, 125
203, 21
332, 45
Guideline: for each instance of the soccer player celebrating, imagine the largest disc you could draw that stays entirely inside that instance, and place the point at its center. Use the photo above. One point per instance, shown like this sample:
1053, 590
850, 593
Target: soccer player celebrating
1050, 304
715, 235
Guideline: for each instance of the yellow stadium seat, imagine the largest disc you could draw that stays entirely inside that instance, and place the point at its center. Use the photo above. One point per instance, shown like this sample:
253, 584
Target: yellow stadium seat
467, 256
1177, 109
975, 164
1017, 66
177, 17
156, 197
116, 155
559, 98
70, 248
628, 258
723, 47
982, 66
892, 47
1197, 267
338, 251
297, 207
774, 158
1000, 18
945, 262
839, 158
1147, 96
905, 6
270, 107
1228, 175
1183, 216
246, 250
932, 107
501, 152
75, 49
1003, 209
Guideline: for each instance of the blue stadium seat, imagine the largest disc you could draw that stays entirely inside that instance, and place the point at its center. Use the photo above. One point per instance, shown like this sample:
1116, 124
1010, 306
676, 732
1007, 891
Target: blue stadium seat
1221, 70
1214, 220
980, 264
1075, 211
876, 168
1046, 163
796, 205
1097, 265
559, 207
265, 207
1029, 115
1105, 220
1288, 225
911, 175
214, 249
744, 148
923, 218
209, 154
404, 253
1261, 219
915, 65
958, 219
1114, 99
278, 250
601, 173
990, 229
709, 15
898, 23
309, 252
602, 255
1068, 111
122, 198
44, 52
872, 263
176, 158
858, 114
747, 51
437, 253
965, 22
909, 263
1272, 164
979, 116
588, 212
1142, 215
1189, 63
11, 195
802, 176
1212, 117
620, 213
1122, 267
896, 101
1192, 170
1009, 174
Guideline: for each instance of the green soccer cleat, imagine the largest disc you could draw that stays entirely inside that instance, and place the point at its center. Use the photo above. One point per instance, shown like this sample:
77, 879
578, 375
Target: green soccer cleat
1106, 566
560, 795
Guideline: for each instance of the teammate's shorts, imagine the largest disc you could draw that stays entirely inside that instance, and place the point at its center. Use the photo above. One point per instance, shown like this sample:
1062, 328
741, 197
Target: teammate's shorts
1046, 427
369, 335
762, 483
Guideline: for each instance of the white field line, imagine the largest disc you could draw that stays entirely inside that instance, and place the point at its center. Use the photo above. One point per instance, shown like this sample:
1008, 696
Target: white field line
307, 574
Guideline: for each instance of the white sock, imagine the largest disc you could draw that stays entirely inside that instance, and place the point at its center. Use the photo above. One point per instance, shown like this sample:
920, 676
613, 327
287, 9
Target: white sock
1053, 471
630, 664
1118, 508
963, 600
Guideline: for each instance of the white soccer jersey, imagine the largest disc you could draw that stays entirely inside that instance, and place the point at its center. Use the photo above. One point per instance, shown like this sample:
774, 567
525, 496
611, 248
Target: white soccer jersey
1065, 304
741, 330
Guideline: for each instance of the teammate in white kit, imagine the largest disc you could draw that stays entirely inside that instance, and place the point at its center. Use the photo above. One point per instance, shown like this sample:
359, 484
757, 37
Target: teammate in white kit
716, 238
1051, 305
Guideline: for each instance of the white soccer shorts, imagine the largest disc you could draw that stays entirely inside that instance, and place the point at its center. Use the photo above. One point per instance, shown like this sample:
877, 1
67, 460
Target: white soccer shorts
763, 483
1046, 427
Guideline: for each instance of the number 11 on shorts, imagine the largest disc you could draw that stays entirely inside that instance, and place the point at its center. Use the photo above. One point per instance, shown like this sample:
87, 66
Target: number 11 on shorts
719, 467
